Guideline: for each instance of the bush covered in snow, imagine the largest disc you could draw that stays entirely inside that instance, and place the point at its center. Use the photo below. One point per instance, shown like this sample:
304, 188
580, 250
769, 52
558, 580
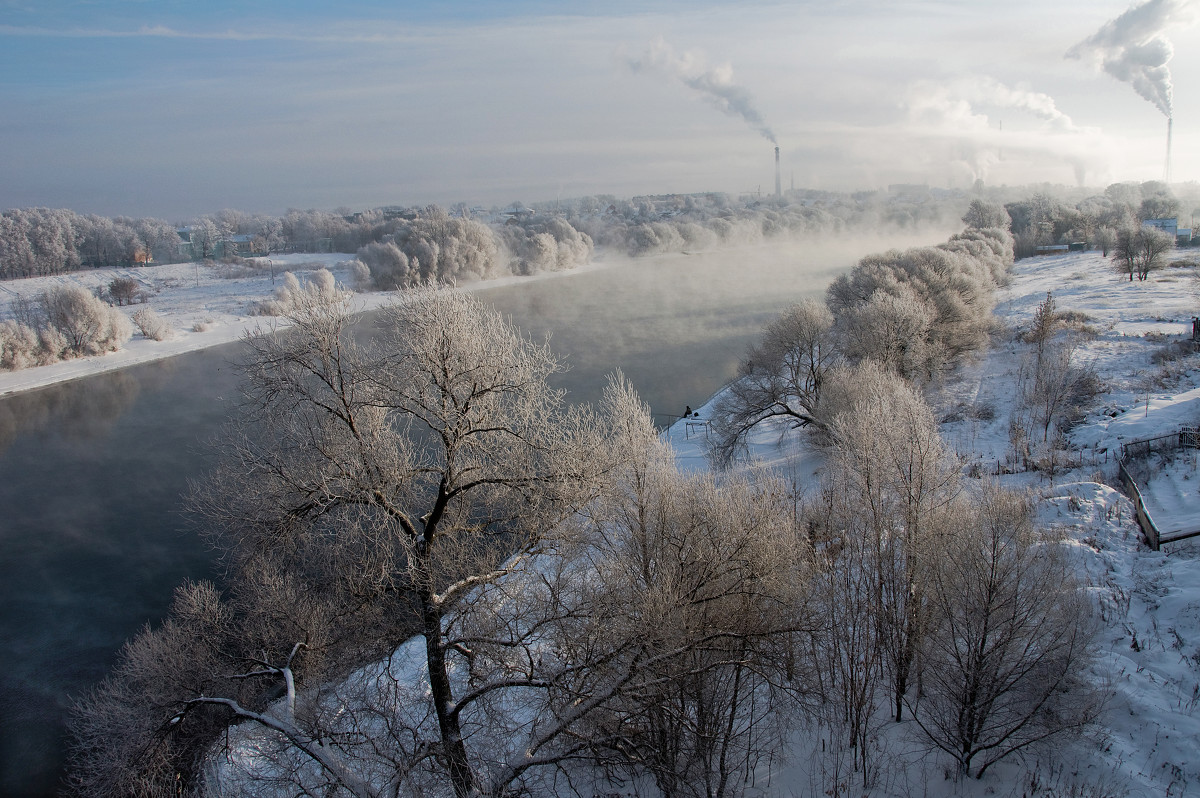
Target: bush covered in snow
65, 321
151, 325
319, 288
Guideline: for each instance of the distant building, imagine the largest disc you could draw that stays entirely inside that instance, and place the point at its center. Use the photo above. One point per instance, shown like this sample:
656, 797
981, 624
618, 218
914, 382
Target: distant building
243, 245
1053, 249
1166, 225
1182, 235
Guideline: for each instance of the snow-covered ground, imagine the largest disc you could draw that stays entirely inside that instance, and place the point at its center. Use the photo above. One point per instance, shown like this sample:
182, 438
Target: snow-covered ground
205, 305
1148, 740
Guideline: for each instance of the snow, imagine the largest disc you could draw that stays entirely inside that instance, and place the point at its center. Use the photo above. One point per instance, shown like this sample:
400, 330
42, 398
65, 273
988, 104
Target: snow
1147, 742
206, 305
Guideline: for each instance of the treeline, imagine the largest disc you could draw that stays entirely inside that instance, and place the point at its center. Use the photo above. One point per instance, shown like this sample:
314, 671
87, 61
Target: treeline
435, 247
464, 243
455, 244
1097, 220
37, 242
444, 581
676, 223
40, 241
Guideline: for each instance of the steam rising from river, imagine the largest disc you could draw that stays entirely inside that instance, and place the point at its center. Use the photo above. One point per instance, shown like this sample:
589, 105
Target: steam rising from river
676, 324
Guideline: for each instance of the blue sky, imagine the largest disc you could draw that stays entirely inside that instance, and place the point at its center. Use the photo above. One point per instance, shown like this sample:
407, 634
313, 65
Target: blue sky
173, 109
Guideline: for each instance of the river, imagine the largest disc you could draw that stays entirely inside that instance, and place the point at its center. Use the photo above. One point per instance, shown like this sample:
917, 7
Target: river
92, 472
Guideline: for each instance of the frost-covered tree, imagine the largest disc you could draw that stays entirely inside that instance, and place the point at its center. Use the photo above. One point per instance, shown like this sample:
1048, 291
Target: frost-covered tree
88, 325
1009, 639
780, 377
370, 493
981, 215
700, 590
1141, 251
891, 471
387, 265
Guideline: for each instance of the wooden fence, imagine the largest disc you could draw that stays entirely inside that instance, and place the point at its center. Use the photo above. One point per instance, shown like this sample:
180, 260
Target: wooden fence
1186, 438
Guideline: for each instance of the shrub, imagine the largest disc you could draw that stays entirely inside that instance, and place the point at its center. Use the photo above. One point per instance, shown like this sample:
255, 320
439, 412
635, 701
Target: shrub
19, 346
360, 273
151, 325
124, 290
320, 288
87, 324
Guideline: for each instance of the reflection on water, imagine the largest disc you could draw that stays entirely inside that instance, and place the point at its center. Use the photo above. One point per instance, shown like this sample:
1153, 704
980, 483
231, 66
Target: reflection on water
91, 472
78, 414
91, 475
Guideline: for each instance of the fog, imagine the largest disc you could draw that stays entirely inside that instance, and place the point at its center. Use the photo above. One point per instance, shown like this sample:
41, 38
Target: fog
677, 324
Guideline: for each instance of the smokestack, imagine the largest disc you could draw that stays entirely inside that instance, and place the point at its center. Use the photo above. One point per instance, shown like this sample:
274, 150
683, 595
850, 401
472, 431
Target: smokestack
1167, 169
778, 182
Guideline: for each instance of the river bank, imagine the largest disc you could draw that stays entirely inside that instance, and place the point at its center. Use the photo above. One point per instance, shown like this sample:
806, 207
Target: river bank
205, 306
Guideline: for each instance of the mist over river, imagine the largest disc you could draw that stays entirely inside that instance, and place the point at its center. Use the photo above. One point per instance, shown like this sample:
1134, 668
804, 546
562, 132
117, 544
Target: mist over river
92, 472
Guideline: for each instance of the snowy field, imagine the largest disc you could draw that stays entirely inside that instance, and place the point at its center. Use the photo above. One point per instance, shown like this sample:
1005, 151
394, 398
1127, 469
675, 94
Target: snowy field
1148, 740
205, 305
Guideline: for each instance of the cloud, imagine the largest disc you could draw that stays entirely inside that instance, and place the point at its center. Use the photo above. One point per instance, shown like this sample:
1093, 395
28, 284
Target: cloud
1133, 48
165, 32
715, 84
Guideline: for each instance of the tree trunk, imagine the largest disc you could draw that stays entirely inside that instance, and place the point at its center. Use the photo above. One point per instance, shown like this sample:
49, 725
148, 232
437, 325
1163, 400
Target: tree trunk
453, 747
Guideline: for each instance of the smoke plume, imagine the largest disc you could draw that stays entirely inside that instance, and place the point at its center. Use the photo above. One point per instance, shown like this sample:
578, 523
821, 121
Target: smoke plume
715, 84
1134, 50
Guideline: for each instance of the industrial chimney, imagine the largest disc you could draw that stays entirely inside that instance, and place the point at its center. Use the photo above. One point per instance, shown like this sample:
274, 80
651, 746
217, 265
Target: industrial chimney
1166, 169
778, 183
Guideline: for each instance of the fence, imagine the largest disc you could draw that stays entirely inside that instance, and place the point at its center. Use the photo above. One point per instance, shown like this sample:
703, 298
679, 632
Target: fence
1186, 438
1149, 528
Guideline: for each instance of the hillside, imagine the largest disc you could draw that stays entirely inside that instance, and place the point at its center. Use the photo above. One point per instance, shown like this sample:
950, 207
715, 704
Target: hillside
1148, 602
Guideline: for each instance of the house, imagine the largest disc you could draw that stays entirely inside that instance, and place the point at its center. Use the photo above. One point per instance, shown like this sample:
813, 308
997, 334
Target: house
1182, 235
1166, 225
243, 245
186, 250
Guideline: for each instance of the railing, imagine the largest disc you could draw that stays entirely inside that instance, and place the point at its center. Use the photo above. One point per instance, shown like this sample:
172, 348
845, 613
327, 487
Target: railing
1148, 527
1186, 438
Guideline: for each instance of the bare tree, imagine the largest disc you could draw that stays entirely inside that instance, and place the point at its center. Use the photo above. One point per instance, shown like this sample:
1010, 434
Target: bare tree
1056, 388
1139, 252
895, 476
702, 590
366, 494
1011, 635
781, 377
1045, 324
124, 290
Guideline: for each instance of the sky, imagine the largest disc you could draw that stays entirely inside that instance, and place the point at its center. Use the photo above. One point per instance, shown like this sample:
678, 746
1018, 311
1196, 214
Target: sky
176, 108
